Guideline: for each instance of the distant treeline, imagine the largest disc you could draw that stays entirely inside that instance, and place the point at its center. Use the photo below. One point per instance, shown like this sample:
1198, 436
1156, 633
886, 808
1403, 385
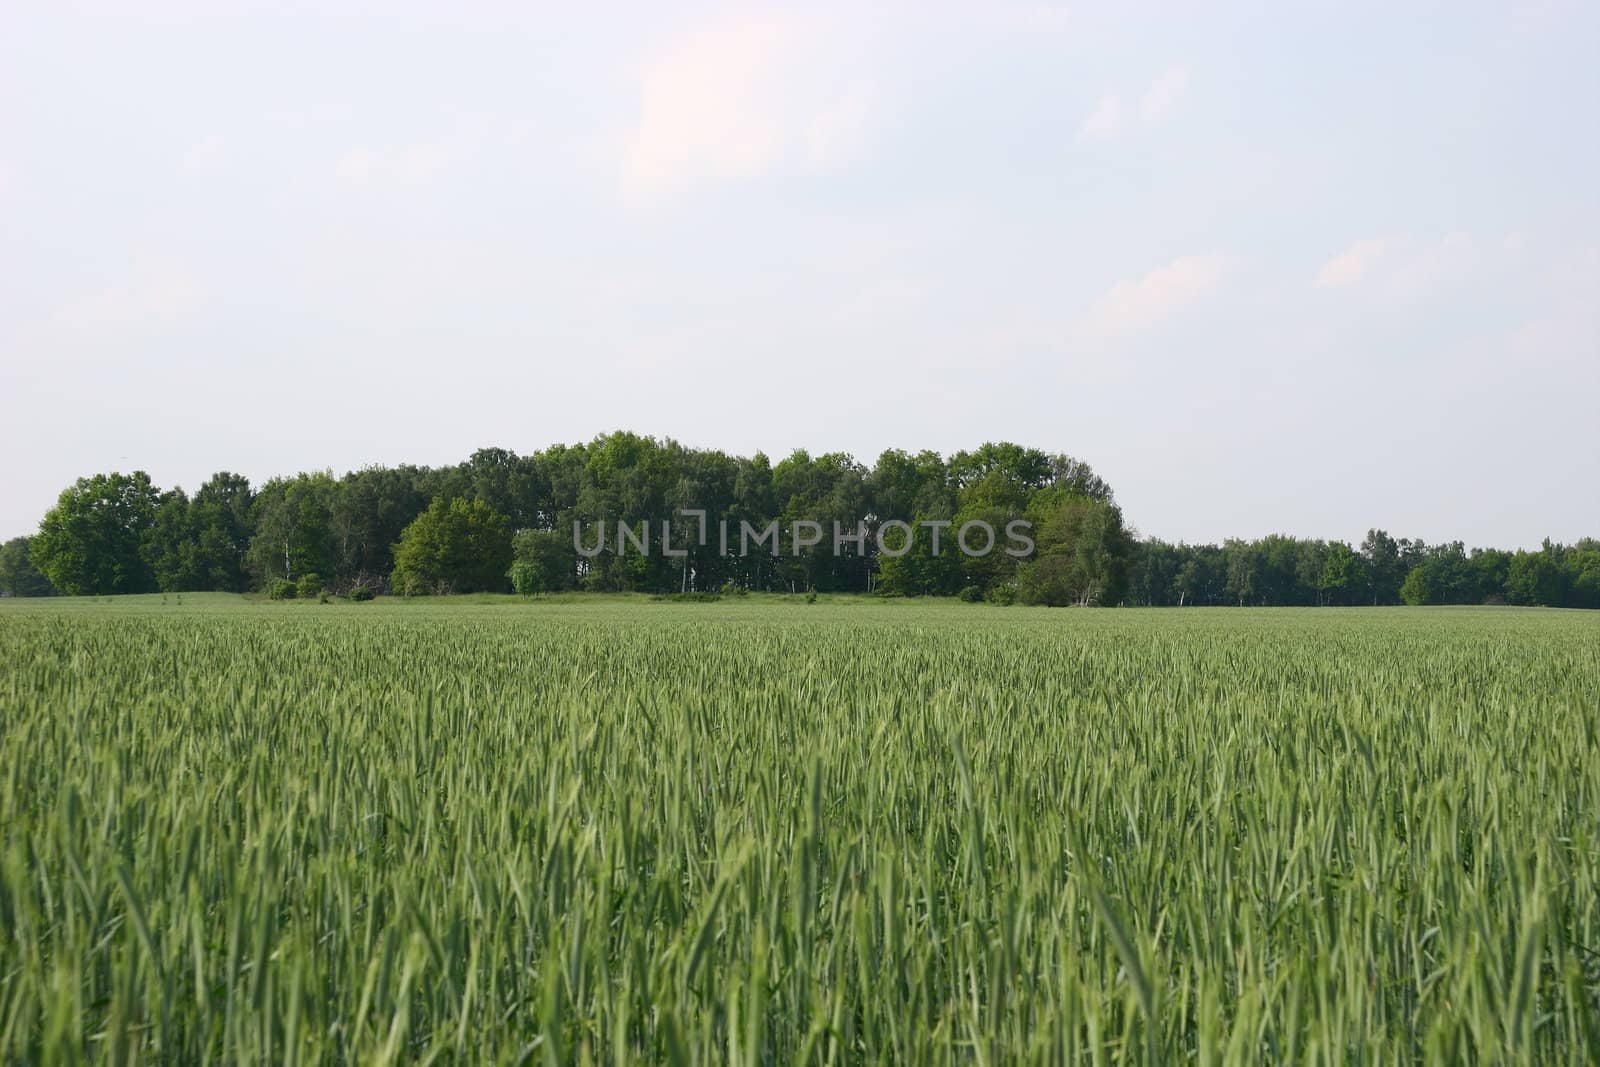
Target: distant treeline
502, 521
1381, 570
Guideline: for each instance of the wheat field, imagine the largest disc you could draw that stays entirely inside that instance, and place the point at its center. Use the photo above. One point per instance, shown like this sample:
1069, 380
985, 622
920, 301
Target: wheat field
762, 831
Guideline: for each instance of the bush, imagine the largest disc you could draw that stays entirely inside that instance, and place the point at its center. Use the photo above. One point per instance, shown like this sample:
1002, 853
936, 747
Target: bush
457, 545
525, 578
309, 587
281, 590
971, 595
543, 562
734, 589
1415, 590
811, 597
1004, 595
404, 582
360, 592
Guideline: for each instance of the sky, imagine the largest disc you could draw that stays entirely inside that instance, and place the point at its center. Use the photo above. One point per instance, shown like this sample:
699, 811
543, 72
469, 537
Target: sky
1268, 268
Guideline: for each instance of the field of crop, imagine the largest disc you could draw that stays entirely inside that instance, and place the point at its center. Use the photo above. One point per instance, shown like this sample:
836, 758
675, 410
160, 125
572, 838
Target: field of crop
771, 832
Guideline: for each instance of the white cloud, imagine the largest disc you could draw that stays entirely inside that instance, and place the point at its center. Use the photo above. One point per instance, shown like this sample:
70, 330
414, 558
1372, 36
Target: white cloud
357, 165
1165, 93
1451, 259
1143, 302
1159, 101
1566, 333
743, 97
1035, 18
837, 132
1401, 266
1104, 119
1554, 335
322, 114
154, 295
204, 157
1353, 264
421, 163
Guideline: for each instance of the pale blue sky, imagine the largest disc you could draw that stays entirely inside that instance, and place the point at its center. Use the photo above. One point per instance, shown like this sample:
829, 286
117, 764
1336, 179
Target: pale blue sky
1269, 268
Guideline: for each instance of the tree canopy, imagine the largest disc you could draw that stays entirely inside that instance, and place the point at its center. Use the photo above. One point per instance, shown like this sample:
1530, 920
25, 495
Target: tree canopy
94, 539
457, 545
500, 520
18, 574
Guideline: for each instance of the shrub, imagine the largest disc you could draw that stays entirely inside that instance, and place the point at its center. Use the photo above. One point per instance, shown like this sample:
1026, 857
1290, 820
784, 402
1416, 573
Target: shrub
281, 589
543, 562
1004, 594
811, 596
309, 587
360, 592
457, 545
971, 595
1060, 580
525, 578
1415, 590
404, 582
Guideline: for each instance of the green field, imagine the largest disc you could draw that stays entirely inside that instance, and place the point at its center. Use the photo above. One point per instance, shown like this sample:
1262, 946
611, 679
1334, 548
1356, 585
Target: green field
761, 831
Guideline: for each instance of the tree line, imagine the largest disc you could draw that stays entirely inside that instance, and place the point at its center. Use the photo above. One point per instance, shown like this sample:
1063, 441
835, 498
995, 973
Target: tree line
1284, 571
501, 521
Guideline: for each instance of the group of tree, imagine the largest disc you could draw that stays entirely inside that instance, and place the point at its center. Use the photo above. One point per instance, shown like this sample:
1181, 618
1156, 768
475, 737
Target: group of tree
502, 521
118, 533
1285, 571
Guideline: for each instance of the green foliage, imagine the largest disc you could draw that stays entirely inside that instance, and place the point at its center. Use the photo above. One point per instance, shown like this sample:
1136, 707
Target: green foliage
292, 528
1583, 564
920, 571
223, 522
170, 544
543, 562
408, 583
1285, 571
1385, 564
1538, 578
1446, 574
524, 578
359, 593
282, 589
457, 545
90, 543
346, 529
971, 594
1275, 570
18, 575
1083, 553
309, 587
1343, 580
875, 832
1047, 581
1415, 590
